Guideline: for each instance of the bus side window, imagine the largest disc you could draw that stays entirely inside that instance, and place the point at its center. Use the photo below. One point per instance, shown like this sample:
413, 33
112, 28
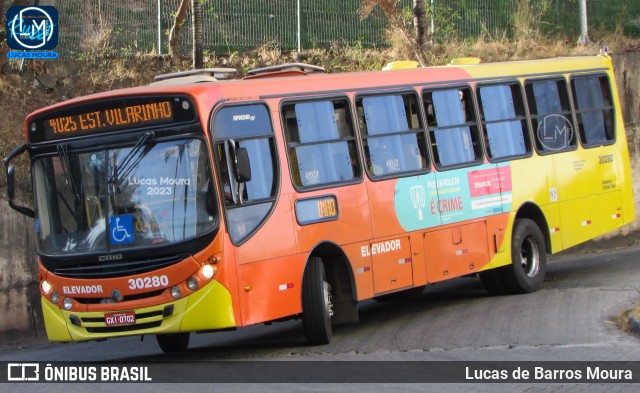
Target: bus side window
393, 139
321, 142
550, 115
594, 110
503, 117
453, 128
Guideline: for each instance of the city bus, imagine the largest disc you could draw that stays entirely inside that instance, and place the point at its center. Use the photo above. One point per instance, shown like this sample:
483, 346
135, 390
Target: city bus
203, 203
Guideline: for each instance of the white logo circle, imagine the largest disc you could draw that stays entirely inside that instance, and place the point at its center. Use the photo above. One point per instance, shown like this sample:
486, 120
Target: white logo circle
555, 132
34, 27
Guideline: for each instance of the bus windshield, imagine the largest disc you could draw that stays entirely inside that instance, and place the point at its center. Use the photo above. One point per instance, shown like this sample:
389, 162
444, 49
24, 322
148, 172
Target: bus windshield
150, 194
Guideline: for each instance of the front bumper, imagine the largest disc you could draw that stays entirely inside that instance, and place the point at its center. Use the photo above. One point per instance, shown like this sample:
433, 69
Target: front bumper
209, 308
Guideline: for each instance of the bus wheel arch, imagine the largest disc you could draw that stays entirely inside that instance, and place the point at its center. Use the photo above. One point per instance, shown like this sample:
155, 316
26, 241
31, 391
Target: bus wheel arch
336, 271
534, 213
530, 243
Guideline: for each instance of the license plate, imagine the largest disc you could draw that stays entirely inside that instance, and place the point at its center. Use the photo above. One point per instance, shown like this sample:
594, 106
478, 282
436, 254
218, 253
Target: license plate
120, 318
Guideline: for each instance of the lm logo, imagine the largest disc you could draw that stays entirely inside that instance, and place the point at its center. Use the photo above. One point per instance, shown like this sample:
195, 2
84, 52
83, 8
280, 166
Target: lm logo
32, 28
555, 132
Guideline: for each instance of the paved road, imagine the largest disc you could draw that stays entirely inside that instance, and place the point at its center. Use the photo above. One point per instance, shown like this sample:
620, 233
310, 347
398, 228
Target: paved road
569, 319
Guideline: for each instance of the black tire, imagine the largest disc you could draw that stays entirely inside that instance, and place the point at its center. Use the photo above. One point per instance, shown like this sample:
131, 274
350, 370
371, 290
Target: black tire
317, 309
176, 342
492, 281
528, 258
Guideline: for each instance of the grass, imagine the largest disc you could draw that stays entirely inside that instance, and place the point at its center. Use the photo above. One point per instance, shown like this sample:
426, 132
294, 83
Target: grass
624, 320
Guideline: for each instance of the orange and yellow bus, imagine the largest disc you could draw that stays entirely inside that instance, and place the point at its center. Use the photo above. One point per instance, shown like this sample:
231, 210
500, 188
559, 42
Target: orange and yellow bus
203, 204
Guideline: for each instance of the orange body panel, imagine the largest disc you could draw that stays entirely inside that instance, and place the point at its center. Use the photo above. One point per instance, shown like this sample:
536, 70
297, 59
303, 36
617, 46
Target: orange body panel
353, 224
456, 251
392, 264
271, 289
381, 201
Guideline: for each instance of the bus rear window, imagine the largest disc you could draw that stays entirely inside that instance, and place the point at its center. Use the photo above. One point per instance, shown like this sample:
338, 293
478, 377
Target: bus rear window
321, 143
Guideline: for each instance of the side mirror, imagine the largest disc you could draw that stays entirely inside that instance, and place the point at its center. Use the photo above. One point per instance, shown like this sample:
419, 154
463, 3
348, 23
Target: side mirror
242, 166
11, 183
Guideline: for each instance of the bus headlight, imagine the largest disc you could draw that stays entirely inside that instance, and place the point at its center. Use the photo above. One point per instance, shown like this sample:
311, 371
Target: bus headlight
192, 283
46, 287
55, 298
67, 303
175, 292
208, 271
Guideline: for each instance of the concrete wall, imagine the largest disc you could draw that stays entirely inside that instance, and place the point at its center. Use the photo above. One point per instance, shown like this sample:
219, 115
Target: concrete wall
626, 67
20, 313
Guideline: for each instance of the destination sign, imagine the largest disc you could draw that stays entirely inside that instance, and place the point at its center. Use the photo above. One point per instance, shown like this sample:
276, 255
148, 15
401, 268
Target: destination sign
141, 115
113, 115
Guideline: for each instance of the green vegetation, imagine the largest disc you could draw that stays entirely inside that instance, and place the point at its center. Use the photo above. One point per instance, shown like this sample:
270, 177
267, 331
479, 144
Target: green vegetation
112, 45
125, 27
629, 320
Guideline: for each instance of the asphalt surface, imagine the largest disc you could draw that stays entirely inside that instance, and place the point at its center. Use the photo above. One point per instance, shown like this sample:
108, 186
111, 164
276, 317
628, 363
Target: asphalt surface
569, 319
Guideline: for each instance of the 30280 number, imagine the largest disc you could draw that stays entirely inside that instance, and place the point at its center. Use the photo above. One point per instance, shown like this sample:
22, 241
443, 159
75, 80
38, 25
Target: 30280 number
148, 282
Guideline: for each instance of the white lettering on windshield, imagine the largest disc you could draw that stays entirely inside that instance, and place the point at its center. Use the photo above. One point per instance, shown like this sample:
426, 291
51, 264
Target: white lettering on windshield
244, 117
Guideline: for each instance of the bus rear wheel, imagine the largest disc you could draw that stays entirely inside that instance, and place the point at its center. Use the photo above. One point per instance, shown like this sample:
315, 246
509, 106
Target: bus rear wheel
528, 258
317, 308
176, 342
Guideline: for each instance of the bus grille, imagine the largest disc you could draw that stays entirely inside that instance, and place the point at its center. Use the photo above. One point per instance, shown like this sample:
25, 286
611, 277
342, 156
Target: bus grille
122, 268
127, 298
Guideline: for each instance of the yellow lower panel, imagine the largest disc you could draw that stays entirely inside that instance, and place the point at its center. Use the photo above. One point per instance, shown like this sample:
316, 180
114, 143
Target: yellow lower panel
54, 322
207, 309
586, 218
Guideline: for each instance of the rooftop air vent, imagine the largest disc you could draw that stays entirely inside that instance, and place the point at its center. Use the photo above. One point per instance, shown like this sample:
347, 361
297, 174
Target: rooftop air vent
193, 76
289, 69
400, 65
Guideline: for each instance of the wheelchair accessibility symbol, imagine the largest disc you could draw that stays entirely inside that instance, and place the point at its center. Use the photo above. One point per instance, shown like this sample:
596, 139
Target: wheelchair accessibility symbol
121, 229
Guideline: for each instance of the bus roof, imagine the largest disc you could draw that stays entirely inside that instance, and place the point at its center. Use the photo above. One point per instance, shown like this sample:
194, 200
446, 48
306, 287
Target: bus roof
322, 84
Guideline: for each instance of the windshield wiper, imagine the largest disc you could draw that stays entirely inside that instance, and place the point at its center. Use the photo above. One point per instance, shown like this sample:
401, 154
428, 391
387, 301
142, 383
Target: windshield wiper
132, 159
66, 169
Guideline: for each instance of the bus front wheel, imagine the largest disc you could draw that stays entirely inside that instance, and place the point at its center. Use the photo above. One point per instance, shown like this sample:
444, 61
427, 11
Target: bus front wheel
176, 342
317, 308
528, 258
